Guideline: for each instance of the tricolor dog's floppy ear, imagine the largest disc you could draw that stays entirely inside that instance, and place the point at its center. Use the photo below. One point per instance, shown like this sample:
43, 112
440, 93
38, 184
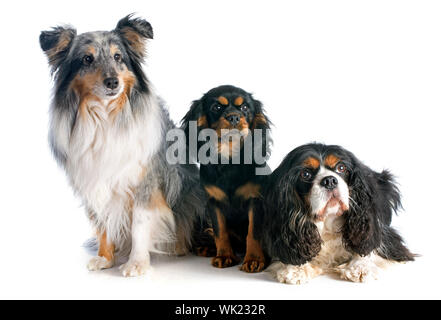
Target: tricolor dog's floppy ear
294, 238
56, 44
362, 230
135, 32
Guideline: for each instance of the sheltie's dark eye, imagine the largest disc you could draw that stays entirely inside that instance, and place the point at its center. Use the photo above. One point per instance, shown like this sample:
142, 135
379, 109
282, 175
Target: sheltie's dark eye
341, 168
306, 175
117, 57
87, 60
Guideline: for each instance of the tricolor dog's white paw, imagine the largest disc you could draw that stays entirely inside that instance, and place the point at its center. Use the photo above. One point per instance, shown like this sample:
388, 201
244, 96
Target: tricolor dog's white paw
99, 263
134, 268
289, 274
359, 271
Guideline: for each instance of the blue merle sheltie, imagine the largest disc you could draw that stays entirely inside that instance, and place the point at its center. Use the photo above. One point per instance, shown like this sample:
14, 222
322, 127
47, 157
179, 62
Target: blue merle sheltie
107, 130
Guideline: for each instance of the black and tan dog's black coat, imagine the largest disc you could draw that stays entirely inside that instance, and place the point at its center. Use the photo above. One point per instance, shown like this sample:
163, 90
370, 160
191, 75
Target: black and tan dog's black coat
234, 190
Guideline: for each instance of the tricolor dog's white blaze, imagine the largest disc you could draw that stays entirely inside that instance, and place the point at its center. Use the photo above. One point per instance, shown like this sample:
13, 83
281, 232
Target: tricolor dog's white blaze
328, 208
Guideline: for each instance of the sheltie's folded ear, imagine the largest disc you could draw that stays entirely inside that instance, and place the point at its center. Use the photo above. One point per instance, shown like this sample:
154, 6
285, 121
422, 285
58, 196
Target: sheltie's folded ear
135, 32
56, 44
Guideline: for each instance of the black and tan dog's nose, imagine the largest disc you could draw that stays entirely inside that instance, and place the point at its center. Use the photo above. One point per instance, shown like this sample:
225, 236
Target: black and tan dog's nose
111, 83
329, 182
233, 118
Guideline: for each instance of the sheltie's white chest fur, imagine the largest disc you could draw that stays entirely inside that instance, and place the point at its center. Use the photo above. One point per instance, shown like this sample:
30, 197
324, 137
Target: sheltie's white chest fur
107, 156
332, 252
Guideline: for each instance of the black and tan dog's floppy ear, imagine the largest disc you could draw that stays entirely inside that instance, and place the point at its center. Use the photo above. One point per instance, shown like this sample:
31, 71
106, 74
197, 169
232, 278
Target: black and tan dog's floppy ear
195, 114
135, 32
56, 44
261, 122
294, 238
194, 118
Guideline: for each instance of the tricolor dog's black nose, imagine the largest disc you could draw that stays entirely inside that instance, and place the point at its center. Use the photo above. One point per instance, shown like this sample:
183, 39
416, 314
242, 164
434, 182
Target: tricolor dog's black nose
233, 118
329, 182
111, 83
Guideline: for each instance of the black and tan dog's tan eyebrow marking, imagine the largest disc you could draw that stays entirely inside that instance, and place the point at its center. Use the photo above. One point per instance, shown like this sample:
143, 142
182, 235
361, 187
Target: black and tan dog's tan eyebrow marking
223, 101
238, 101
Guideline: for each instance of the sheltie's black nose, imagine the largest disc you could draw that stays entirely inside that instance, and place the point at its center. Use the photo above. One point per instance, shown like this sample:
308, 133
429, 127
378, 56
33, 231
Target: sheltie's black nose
111, 83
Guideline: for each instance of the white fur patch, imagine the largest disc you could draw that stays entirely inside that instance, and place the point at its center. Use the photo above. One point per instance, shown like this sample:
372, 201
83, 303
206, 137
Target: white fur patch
289, 274
333, 257
320, 196
105, 161
99, 263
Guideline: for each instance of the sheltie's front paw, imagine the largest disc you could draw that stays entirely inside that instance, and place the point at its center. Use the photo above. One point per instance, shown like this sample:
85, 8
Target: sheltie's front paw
99, 263
134, 268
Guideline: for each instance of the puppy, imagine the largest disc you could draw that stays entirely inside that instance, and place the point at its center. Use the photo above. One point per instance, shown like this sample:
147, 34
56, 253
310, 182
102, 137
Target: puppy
107, 130
328, 212
231, 177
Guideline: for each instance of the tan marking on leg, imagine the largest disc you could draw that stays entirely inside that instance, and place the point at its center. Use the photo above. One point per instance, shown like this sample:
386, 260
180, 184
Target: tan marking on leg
248, 191
254, 259
107, 248
216, 193
224, 257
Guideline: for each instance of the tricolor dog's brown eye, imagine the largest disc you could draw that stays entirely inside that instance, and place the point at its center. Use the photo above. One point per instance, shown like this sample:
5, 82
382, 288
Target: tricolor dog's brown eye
341, 168
88, 59
306, 175
244, 108
117, 57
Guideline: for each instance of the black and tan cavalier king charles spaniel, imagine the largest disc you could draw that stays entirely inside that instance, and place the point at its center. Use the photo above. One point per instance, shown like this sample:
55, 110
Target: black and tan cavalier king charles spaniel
328, 212
233, 188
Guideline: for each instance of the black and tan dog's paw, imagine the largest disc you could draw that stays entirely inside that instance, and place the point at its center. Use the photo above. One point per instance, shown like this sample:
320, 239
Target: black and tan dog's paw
253, 265
224, 261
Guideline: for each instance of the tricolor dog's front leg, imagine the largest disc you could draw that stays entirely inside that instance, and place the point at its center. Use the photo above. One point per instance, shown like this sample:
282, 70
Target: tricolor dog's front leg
290, 274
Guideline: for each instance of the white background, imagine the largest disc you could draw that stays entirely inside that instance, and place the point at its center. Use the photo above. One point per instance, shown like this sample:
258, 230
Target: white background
362, 74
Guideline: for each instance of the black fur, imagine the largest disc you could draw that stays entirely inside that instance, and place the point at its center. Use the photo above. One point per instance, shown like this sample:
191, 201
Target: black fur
289, 230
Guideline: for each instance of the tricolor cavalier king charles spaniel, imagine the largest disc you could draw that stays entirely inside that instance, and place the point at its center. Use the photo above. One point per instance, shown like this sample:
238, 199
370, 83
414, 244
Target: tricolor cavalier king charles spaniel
328, 212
